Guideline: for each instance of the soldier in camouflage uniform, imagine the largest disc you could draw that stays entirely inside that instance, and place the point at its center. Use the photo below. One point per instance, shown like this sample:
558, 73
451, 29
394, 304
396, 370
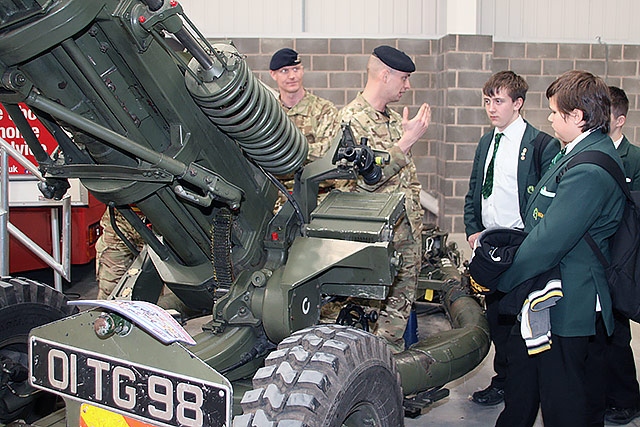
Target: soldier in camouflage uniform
388, 72
113, 257
314, 116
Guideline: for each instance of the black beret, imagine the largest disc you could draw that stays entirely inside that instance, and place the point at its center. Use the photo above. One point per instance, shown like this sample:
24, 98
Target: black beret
394, 58
284, 58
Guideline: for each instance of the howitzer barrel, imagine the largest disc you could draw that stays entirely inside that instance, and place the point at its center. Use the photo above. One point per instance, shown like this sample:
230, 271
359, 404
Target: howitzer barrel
246, 110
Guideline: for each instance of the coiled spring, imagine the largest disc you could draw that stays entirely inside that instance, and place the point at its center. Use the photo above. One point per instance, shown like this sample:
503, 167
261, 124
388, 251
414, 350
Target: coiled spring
246, 110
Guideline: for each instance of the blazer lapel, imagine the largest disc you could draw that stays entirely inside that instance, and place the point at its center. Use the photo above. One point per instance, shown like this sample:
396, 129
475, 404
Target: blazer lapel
623, 149
583, 145
525, 157
551, 174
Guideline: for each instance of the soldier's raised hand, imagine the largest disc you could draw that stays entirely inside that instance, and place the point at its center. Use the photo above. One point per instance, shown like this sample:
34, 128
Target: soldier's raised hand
414, 128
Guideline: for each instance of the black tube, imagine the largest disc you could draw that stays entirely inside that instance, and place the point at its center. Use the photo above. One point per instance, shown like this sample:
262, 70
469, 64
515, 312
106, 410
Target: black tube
27, 133
112, 220
153, 5
194, 48
146, 234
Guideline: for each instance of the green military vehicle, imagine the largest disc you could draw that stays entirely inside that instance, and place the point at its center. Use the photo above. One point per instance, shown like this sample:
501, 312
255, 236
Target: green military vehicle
147, 112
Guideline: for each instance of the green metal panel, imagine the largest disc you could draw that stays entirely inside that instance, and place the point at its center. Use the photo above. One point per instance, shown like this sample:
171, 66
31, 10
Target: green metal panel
352, 216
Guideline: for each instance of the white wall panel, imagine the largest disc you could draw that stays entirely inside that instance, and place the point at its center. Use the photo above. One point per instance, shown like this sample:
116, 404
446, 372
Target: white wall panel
614, 21
377, 18
250, 17
324, 18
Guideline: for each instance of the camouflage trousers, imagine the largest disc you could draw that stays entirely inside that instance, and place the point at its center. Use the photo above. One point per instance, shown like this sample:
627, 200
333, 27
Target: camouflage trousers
394, 311
113, 257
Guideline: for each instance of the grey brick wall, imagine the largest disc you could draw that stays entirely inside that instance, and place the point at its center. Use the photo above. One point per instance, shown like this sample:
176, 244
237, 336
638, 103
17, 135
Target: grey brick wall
450, 73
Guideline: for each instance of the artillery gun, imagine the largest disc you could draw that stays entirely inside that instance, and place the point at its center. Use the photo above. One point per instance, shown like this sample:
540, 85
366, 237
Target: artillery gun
193, 140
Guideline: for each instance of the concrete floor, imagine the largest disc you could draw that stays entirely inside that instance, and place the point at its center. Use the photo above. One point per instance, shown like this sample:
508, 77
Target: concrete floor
457, 410
453, 411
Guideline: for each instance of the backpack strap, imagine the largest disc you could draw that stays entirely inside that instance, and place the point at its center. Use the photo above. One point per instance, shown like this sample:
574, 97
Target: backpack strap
607, 163
539, 145
603, 160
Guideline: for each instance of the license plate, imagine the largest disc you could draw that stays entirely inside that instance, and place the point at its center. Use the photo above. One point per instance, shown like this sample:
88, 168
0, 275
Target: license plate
146, 393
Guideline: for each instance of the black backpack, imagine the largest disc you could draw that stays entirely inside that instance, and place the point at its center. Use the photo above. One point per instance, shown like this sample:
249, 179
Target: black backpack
623, 272
539, 145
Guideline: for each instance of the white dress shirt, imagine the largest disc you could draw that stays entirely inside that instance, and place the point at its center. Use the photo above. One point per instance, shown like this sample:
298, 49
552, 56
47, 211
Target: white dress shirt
502, 207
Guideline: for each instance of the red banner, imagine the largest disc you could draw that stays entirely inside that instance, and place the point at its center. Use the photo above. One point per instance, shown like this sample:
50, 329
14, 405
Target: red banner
10, 133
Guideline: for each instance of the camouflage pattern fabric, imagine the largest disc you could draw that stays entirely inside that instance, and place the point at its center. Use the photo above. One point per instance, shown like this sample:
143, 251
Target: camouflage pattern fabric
113, 257
383, 130
395, 311
316, 119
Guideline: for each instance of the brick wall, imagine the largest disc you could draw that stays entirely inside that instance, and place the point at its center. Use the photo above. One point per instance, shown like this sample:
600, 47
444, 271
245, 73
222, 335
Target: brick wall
450, 74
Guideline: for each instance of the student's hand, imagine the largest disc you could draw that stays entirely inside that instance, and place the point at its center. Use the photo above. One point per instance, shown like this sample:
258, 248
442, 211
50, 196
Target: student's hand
473, 239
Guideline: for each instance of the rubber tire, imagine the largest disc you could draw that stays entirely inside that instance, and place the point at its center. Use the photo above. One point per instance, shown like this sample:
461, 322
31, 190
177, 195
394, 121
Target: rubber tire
24, 305
327, 376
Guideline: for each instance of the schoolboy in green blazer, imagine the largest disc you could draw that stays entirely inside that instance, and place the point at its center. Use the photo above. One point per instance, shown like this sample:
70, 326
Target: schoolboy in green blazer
518, 163
528, 176
558, 214
630, 155
622, 388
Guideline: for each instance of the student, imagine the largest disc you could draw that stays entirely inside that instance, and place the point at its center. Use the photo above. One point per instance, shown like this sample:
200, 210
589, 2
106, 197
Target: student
623, 393
506, 159
564, 381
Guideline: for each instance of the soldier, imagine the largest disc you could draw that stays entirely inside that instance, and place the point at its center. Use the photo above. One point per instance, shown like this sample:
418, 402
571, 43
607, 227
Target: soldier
388, 72
314, 116
113, 257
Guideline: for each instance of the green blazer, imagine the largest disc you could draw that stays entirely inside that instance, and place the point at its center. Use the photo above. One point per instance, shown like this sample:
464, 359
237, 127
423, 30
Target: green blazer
558, 215
527, 176
630, 155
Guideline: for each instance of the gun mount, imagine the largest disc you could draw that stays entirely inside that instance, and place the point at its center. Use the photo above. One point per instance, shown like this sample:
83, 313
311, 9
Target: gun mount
195, 141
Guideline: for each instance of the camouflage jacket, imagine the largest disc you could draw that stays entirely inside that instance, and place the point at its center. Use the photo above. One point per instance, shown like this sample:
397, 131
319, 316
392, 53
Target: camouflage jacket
383, 131
316, 118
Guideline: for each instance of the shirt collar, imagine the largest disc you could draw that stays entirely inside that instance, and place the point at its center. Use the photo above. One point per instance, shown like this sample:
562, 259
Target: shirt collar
618, 142
570, 146
514, 131
385, 115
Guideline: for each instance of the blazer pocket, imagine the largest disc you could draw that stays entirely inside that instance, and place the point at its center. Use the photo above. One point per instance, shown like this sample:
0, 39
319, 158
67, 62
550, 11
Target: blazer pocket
544, 192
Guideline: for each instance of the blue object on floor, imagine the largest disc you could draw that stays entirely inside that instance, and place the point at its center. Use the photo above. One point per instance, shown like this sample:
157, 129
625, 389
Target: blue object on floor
411, 332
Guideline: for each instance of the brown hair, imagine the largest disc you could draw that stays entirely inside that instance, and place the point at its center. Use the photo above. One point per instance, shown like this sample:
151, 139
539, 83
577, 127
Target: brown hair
619, 101
581, 90
515, 85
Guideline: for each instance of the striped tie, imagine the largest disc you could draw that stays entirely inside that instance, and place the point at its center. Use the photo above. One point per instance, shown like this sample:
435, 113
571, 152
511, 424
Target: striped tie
558, 156
487, 187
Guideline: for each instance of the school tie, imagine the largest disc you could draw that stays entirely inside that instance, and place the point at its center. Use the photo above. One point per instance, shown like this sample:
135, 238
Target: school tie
487, 187
558, 156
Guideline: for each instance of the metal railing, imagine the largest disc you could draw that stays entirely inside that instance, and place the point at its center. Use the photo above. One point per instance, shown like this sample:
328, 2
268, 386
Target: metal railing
60, 258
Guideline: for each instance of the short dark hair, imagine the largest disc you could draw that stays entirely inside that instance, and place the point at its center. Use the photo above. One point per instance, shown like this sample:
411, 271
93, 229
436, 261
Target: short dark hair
515, 85
619, 101
581, 90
